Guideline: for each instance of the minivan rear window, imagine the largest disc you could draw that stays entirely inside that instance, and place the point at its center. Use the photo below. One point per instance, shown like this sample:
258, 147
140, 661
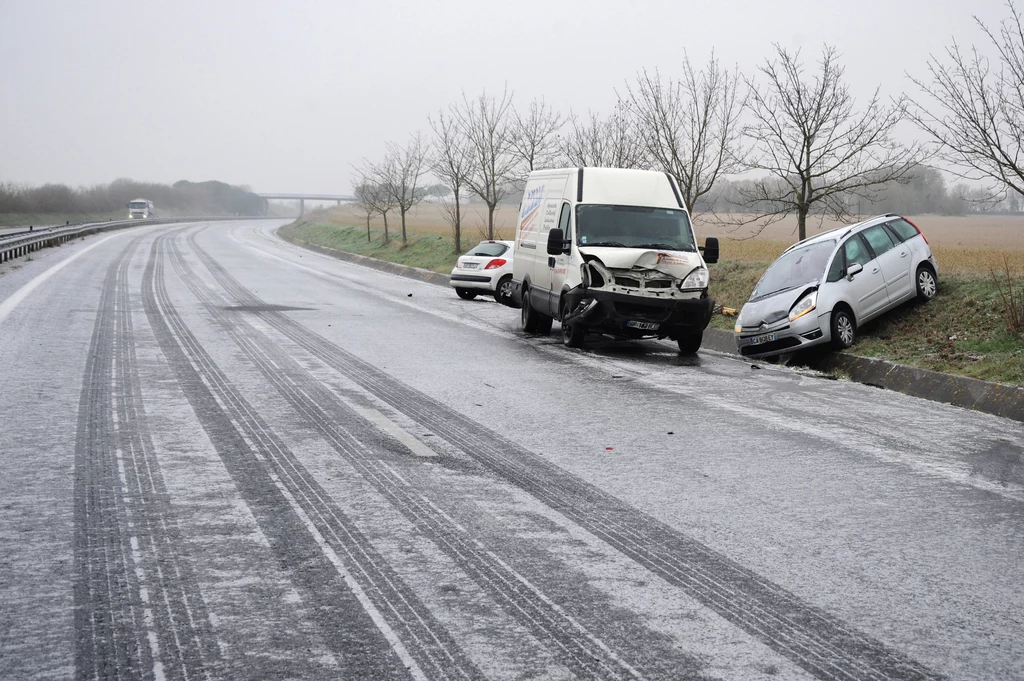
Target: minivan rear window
903, 229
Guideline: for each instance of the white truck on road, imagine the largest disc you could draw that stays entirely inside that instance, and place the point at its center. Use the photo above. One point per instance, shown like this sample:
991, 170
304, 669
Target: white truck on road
140, 209
610, 251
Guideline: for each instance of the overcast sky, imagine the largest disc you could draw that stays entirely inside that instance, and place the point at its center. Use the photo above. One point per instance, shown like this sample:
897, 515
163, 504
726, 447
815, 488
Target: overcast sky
287, 96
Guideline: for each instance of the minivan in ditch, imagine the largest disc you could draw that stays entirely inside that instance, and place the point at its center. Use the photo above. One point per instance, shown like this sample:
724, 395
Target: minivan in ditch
824, 288
610, 251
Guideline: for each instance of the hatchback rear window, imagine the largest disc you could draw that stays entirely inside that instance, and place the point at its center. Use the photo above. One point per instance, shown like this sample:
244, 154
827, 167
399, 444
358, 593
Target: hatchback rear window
903, 229
488, 248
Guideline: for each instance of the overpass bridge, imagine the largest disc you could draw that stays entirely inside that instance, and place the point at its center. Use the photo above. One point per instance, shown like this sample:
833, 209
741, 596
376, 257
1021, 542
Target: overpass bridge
302, 198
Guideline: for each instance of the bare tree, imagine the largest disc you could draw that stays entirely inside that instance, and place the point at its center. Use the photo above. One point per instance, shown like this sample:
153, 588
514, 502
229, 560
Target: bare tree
378, 178
535, 138
975, 115
612, 142
487, 126
816, 148
450, 162
690, 126
365, 201
402, 171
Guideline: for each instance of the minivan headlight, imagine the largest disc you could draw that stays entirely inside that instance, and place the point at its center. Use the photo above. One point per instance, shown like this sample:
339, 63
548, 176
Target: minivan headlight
697, 279
803, 306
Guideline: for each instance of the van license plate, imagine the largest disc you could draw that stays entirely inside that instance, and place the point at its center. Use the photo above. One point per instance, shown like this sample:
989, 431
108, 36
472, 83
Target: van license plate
767, 338
643, 326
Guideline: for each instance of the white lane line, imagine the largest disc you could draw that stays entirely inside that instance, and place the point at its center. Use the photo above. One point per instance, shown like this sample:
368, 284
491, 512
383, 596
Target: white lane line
390, 427
7, 307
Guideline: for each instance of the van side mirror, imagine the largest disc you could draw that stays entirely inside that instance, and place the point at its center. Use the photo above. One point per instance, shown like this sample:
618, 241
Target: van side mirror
855, 268
556, 242
710, 250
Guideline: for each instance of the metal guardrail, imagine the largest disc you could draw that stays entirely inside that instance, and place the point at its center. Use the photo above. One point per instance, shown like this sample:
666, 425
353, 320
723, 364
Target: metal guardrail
23, 243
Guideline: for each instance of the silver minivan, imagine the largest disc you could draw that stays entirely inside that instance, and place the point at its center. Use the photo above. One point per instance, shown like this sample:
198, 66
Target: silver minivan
822, 289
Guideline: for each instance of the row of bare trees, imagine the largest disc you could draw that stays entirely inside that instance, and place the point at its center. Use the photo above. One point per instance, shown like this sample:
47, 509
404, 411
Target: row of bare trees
810, 148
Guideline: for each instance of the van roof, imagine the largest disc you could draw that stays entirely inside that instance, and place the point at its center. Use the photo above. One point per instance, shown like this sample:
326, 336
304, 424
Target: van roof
622, 186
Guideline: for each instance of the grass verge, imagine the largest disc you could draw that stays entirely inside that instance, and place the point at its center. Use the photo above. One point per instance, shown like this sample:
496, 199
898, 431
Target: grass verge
429, 252
963, 331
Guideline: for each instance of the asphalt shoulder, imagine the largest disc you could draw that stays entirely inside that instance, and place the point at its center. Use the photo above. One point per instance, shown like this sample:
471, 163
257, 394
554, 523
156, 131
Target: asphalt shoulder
970, 393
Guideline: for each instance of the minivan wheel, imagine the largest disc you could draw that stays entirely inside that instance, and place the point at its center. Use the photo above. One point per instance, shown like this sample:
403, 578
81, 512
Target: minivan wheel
503, 291
844, 329
465, 293
927, 287
572, 334
690, 343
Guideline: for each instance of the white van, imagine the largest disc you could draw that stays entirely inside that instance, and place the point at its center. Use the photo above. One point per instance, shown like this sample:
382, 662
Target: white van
610, 251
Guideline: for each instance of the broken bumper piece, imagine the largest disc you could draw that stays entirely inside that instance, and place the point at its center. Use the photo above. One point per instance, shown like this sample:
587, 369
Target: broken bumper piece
628, 316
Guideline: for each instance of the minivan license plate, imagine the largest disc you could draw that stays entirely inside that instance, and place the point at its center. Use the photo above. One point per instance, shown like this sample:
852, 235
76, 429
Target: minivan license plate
767, 338
643, 326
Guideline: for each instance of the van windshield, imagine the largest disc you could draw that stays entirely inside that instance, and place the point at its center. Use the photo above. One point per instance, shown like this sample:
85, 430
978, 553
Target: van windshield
634, 227
795, 268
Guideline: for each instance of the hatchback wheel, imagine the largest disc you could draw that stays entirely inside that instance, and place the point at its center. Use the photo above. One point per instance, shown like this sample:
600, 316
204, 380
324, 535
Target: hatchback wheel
844, 329
927, 287
465, 293
503, 291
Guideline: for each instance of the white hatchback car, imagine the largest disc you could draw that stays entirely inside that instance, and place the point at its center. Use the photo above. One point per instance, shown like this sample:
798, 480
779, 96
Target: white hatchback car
484, 269
820, 290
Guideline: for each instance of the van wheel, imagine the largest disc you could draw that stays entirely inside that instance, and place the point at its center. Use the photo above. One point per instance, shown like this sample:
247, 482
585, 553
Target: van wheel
572, 334
690, 343
465, 293
927, 287
527, 314
543, 323
503, 291
844, 329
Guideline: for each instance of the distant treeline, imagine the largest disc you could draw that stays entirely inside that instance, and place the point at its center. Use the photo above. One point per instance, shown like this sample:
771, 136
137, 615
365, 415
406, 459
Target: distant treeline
181, 198
922, 191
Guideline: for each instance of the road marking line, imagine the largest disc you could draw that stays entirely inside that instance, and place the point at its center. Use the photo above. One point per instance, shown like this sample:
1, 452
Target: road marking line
15, 298
391, 428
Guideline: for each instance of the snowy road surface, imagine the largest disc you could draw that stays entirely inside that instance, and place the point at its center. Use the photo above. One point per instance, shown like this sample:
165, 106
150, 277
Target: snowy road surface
226, 457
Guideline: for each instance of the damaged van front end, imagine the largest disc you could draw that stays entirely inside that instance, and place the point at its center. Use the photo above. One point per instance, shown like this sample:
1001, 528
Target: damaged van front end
633, 293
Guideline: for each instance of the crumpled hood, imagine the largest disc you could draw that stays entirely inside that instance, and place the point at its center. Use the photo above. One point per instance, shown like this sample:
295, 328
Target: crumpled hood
772, 308
673, 263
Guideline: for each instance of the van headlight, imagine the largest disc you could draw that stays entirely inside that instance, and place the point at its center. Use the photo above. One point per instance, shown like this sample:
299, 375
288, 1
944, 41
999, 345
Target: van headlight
803, 306
695, 280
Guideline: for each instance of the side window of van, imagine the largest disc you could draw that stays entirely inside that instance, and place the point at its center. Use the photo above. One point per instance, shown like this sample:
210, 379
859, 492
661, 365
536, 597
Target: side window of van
879, 239
564, 223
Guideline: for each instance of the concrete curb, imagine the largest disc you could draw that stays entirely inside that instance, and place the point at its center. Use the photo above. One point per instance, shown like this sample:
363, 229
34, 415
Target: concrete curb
970, 393
1006, 401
